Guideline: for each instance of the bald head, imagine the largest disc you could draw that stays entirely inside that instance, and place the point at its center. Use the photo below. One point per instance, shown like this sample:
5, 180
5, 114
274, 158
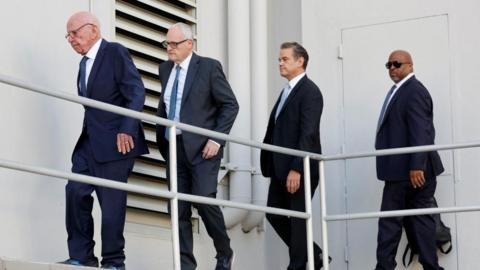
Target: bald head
401, 54
399, 65
83, 31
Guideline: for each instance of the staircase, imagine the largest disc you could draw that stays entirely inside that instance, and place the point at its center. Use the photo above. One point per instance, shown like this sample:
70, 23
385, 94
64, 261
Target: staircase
12, 264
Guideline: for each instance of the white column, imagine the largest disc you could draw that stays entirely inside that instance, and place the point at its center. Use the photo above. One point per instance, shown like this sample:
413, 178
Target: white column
259, 104
238, 20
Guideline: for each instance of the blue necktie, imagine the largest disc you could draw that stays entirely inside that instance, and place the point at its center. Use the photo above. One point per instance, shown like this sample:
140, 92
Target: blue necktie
385, 106
173, 99
83, 74
282, 100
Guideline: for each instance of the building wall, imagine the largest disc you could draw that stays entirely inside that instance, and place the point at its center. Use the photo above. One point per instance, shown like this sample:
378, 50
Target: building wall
41, 131
439, 35
38, 130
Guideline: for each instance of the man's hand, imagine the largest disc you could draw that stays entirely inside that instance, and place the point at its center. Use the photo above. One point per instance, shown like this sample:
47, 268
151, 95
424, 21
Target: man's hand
210, 150
417, 178
293, 181
124, 143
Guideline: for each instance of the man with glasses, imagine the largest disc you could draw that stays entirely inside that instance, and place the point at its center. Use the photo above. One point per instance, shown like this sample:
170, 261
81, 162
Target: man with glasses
107, 145
406, 119
195, 92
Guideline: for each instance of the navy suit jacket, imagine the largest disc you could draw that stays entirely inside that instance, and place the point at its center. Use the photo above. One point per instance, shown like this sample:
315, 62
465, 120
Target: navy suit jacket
113, 79
207, 102
297, 127
408, 121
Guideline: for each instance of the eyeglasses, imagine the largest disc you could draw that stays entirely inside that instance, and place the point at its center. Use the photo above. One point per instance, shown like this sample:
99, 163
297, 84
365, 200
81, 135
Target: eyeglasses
395, 64
173, 44
74, 33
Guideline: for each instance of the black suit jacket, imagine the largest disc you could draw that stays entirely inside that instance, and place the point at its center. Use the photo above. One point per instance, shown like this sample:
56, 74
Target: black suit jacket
408, 121
114, 79
207, 102
297, 127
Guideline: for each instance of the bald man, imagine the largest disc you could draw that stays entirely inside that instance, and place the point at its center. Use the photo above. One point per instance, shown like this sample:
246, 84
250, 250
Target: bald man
406, 119
107, 145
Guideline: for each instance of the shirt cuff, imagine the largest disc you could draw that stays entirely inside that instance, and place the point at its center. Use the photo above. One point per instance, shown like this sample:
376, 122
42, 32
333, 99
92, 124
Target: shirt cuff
214, 142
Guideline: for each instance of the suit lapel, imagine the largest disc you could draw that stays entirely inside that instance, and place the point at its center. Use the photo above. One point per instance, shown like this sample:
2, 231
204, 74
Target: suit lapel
292, 94
394, 99
165, 76
191, 74
274, 110
96, 66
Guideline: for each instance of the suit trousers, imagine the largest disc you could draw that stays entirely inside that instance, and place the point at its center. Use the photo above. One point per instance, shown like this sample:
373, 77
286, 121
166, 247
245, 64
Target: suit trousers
399, 195
191, 179
79, 204
291, 230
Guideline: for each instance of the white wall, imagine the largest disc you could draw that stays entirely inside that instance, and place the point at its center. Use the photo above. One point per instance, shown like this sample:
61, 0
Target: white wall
323, 23
42, 131
37, 130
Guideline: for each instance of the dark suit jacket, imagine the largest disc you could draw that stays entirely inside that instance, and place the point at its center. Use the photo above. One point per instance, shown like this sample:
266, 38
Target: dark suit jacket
408, 121
297, 127
207, 102
113, 79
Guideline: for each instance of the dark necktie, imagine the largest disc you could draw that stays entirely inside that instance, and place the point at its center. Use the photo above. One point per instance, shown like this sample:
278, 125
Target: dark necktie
385, 106
173, 99
83, 74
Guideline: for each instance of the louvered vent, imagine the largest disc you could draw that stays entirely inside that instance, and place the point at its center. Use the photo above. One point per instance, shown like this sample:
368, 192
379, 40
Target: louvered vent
141, 26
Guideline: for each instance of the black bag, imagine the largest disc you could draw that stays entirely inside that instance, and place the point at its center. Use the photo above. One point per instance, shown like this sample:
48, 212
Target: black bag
442, 236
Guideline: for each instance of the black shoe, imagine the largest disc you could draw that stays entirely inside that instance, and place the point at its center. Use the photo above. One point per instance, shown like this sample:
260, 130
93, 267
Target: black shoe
111, 267
225, 262
90, 263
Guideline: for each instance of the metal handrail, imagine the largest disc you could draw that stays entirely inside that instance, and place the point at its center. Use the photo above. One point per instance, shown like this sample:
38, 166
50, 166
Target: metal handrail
172, 143
175, 196
402, 150
401, 213
154, 119
156, 192
222, 136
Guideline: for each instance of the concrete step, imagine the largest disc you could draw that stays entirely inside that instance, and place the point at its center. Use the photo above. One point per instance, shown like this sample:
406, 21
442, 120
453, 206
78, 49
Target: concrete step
13, 264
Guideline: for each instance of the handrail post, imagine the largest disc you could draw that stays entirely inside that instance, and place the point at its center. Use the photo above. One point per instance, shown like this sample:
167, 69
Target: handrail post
308, 210
323, 209
174, 201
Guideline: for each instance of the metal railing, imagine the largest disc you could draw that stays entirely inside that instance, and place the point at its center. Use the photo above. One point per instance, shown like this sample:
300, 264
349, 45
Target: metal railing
174, 196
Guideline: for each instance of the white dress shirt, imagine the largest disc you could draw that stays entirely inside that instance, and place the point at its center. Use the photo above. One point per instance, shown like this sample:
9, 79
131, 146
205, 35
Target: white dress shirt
181, 85
91, 54
398, 85
292, 83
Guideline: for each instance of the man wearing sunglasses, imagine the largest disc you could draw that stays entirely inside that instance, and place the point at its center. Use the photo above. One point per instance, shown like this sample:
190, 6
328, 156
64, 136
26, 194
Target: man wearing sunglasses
195, 92
406, 119
107, 145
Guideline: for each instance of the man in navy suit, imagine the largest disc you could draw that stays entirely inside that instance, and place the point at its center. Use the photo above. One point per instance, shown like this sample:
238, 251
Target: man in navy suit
107, 145
406, 119
294, 123
195, 92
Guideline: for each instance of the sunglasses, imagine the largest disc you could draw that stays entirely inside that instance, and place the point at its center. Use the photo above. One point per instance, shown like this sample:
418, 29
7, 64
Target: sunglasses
395, 64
